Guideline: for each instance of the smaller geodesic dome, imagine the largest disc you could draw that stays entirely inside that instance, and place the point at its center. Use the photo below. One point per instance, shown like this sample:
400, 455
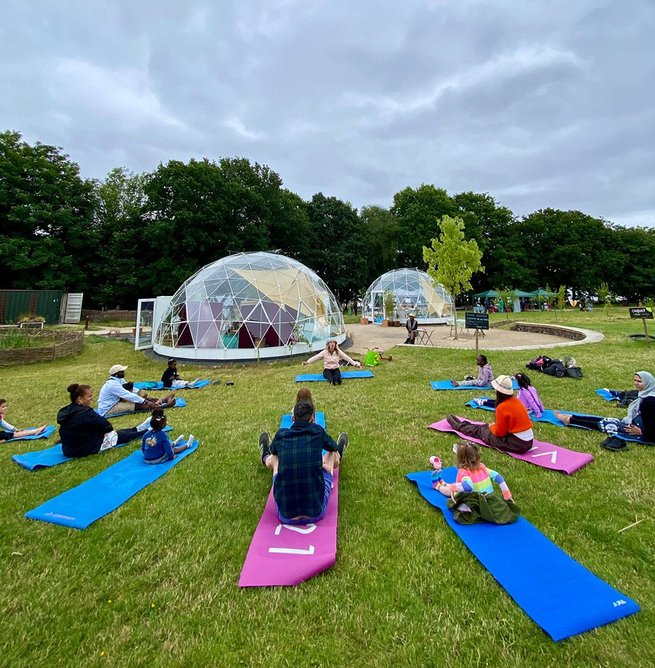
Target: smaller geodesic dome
249, 306
413, 291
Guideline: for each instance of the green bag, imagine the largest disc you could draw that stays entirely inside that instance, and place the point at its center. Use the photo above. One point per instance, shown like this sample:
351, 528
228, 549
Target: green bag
483, 508
372, 358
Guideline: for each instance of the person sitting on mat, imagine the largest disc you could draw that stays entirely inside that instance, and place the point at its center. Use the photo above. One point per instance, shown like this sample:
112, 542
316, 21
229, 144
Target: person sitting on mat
485, 374
331, 357
8, 431
156, 446
170, 378
640, 420
83, 432
302, 475
512, 430
474, 480
527, 395
412, 328
115, 397
303, 395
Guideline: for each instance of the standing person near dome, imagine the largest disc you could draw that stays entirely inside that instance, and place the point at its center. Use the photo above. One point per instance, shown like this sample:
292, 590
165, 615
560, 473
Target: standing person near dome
331, 357
412, 328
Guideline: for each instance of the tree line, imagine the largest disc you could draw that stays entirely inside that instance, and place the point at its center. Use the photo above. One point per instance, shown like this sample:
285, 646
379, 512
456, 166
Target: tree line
140, 235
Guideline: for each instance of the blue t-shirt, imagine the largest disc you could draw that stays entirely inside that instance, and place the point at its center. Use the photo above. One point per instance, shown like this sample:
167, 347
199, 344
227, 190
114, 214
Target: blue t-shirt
155, 445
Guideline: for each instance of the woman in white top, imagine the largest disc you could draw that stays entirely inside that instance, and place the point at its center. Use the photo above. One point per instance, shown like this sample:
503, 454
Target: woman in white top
331, 357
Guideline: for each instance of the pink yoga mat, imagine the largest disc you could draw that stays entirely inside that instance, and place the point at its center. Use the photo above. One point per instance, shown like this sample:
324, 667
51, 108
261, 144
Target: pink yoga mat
546, 455
281, 555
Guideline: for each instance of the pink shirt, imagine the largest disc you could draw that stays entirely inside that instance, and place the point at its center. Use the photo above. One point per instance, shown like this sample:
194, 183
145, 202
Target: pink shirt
331, 360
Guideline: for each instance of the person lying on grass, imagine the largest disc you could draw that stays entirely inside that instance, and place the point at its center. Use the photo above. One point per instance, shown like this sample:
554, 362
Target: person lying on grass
473, 498
640, 420
116, 396
302, 475
83, 432
331, 357
512, 430
485, 374
8, 431
156, 446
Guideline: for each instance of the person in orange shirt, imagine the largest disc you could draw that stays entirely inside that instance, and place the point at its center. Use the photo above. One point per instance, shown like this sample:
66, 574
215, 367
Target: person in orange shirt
512, 430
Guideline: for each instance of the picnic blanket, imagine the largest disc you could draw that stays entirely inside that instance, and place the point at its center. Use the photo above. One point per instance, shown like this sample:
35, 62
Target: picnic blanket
448, 385
80, 506
554, 590
46, 433
41, 459
345, 375
157, 385
180, 402
546, 455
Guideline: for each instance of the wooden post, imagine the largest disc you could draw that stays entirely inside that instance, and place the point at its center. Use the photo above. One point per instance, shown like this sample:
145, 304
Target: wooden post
646, 332
477, 349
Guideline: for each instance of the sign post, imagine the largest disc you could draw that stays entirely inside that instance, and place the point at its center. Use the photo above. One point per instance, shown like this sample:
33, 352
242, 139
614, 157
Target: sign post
477, 321
644, 313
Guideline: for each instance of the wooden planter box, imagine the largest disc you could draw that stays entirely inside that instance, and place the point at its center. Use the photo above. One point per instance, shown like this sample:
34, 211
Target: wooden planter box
363, 321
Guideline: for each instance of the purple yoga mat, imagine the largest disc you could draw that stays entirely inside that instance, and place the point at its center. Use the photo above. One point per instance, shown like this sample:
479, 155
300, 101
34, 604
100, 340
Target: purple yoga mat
546, 455
281, 555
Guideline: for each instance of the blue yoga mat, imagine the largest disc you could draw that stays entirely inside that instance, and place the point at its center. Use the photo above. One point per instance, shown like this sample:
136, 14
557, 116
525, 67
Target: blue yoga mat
49, 431
287, 421
180, 402
81, 506
317, 377
554, 590
448, 385
158, 385
43, 459
550, 417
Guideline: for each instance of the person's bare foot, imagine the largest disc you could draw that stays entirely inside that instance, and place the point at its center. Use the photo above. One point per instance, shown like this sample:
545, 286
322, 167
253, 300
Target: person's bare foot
169, 400
455, 383
41, 429
563, 417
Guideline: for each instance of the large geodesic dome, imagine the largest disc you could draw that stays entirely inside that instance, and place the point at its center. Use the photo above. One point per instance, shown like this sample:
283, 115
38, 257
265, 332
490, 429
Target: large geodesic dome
413, 291
249, 306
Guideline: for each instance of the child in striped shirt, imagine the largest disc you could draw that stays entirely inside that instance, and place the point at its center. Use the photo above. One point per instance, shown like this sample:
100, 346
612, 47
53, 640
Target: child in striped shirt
472, 494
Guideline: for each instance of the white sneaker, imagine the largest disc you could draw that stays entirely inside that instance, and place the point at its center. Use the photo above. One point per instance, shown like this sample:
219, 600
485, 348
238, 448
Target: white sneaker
145, 425
179, 439
190, 440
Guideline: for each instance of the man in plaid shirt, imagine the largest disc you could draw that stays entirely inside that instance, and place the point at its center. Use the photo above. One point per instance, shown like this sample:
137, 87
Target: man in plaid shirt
302, 474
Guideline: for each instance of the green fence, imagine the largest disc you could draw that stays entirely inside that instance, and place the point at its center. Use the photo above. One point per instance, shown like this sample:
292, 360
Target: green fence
15, 303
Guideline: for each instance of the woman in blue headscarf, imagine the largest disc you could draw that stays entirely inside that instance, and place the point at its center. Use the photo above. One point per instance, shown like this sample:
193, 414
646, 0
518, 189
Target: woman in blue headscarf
640, 420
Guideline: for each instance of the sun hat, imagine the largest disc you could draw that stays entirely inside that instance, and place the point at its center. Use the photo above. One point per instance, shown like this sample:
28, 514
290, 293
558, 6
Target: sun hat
503, 384
116, 368
412, 315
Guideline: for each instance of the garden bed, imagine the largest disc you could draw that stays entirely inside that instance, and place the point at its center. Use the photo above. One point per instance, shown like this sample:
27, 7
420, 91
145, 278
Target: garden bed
23, 347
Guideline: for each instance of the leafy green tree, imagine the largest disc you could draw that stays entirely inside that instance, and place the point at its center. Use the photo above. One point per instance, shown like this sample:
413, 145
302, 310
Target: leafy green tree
380, 229
416, 210
339, 252
632, 275
47, 238
452, 260
122, 232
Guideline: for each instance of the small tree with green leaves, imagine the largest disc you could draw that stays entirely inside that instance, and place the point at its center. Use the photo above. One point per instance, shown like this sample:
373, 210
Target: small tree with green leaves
507, 296
604, 295
561, 298
389, 304
452, 260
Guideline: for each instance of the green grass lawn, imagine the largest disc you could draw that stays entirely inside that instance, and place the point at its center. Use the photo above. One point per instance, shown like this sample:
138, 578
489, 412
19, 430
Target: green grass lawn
155, 582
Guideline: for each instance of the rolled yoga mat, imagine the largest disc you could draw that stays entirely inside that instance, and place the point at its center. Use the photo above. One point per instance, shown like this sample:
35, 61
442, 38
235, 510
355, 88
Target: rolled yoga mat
546, 455
81, 506
554, 590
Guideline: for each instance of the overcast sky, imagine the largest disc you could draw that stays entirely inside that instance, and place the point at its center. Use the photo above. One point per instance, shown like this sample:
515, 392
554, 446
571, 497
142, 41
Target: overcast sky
539, 103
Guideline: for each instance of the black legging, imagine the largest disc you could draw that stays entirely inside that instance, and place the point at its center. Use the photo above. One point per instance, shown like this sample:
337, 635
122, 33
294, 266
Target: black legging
332, 376
127, 435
